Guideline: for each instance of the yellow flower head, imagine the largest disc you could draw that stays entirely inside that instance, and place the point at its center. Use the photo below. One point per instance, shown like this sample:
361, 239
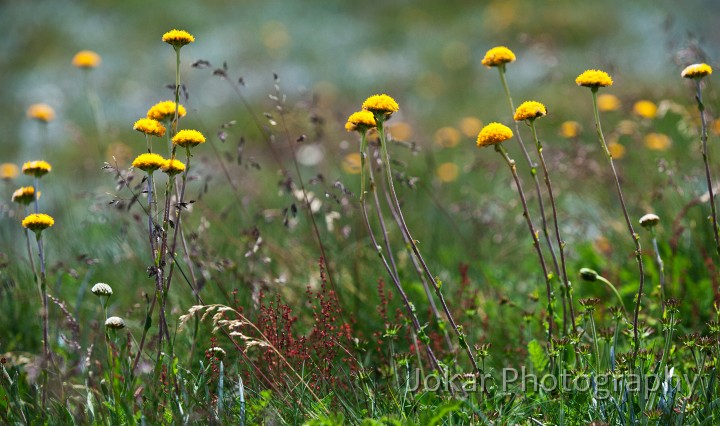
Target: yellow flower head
41, 112
645, 109
448, 137
24, 195
529, 110
188, 138
178, 38
36, 168
36, 222
608, 102
165, 110
447, 172
149, 127
8, 171
696, 71
570, 129
173, 167
381, 104
594, 79
360, 121
148, 162
86, 59
498, 56
492, 134
657, 141
617, 151
352, 163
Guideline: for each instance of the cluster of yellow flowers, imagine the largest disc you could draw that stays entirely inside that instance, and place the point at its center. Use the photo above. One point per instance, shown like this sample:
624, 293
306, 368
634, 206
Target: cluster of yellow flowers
27, 194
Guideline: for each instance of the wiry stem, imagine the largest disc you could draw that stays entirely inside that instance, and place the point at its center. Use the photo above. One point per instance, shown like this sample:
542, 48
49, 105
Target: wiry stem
635, 237
660, 265
706, 160
533, 170
560, 242
393, 274
536, 241
403, 227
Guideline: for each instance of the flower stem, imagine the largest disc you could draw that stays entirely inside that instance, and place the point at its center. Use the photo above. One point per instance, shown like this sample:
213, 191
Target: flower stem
660, 265
536, 241
406, 301
533, 172
388, 176
706, 160
635, 237
560, 242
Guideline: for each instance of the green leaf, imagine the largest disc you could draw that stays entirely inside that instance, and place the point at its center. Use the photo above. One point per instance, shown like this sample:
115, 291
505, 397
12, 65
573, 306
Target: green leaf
538, 356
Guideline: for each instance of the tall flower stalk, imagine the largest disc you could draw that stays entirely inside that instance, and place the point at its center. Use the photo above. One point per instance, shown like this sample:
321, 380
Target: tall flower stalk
528, 112
498, 57
361, 122
494, 134
697, 72
594, 79
382, 107
649, 221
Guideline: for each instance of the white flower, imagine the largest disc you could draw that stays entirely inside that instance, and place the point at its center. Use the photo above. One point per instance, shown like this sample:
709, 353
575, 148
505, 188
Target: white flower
115, 322
101, 289
649, 220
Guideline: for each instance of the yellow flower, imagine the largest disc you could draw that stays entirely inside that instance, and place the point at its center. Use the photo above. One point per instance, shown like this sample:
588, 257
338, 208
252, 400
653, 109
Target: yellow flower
178, 38
645, 109
657, 141
36, 222
716, 126
530, 110
86, 59
400, 130
149, 127
594, 79
360, 121
148, 162
696, 71
8, 171
617, 151
351, 163
447, 172
173, 167
470, 126
24, 195
493, 133
497, 56
570, 129
627, 127
165, 110
188, 138
380, 104
41, 112
36, 168
607, 102
447, 137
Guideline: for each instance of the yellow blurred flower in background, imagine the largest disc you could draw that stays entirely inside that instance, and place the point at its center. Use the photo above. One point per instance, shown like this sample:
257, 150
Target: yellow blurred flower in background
570, 129
400, 130
351, 163
470, 126
9, 171
616, 150
715, 126
447, 172
41, 112
627, 127
645, 109
447, 137
607, 102
86, 59
657, 141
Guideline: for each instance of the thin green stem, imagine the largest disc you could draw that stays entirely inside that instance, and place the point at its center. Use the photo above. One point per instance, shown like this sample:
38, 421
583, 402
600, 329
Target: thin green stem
379, 118
536, 241
660, 266
533, 171
409, 307
614, 290
706, 160
560, 242
635, 237
596, 348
